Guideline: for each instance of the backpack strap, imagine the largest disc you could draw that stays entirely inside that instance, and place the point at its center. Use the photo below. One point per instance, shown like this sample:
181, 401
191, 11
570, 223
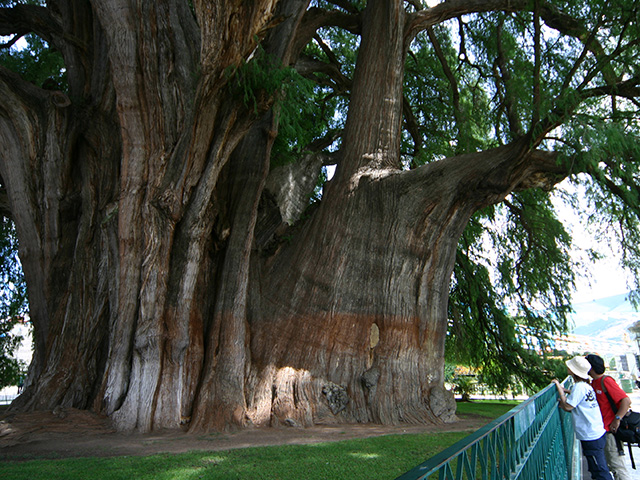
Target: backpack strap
614, 408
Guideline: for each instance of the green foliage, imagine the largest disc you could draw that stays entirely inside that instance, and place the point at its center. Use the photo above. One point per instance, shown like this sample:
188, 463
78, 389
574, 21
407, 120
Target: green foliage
513, 276
299, 102
11, 369
315, 106
492, 323
464, 385
258, 79
300, 112
37, 63
354, 5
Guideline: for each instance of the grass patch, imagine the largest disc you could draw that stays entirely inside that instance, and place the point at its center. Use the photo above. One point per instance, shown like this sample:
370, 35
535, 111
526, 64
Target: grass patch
378, 458
383, 457
490, 409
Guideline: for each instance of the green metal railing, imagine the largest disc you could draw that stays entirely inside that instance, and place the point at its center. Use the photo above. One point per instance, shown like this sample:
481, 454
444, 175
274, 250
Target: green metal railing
534, 440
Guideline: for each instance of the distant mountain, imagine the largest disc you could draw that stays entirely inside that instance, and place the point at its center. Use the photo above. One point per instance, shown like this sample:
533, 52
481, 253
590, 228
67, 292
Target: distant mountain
606, 318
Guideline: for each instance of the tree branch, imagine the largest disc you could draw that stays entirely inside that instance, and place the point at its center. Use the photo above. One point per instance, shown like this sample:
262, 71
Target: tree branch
22, 19
13, 41
308, 67
415, 4
5, 207
316, 18
567, 25
447, 70
419, 21
487, 177
319, 144
629, 89
412, 126
21, 91
508, 98
542, 171
537, 99
552, 17
345, 5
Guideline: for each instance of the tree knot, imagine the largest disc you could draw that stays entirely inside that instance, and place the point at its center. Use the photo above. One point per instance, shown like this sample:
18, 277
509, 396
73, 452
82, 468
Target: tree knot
59, 99
336, 396
370, 378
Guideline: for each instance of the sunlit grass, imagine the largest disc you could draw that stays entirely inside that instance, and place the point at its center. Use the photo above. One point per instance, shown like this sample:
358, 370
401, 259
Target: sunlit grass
378, 458
489, 409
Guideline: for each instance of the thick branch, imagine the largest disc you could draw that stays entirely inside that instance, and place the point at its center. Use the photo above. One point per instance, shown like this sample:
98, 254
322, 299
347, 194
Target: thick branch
629, 89
316, 18
423, 19
475, 180
544, 171
22, 92
23, 19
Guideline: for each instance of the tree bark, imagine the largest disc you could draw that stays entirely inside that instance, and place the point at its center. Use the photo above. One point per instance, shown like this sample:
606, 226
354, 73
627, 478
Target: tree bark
162, 289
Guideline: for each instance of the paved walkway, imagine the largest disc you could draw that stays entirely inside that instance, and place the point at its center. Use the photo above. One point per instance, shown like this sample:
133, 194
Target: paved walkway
635, 474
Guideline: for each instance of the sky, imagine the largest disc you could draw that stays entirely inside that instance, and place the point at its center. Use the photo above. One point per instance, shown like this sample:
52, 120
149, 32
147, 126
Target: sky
607, 278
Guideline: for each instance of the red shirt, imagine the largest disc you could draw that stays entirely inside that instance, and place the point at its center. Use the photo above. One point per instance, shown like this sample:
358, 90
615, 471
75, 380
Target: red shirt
616, 393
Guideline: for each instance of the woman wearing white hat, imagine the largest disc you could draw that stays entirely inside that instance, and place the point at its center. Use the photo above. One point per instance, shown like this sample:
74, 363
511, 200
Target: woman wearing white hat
587, 420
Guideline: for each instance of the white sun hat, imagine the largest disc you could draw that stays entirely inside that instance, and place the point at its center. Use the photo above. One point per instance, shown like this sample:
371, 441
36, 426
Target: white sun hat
580, 366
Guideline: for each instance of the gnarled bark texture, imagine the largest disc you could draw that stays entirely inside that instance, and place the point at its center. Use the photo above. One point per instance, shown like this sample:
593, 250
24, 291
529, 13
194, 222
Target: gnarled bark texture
165, 287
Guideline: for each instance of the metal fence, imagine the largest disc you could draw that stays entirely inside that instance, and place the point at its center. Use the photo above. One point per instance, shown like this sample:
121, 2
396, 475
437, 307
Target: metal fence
534, 440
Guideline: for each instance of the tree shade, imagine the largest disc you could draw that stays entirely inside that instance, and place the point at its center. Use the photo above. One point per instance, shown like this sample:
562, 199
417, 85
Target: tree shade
189, 264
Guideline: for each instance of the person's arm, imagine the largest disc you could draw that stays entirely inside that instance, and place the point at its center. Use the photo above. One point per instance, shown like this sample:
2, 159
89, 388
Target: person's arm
562, 400
623, 408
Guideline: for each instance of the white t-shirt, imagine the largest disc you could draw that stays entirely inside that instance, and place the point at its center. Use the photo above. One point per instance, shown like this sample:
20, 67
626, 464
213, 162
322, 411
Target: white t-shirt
587, 419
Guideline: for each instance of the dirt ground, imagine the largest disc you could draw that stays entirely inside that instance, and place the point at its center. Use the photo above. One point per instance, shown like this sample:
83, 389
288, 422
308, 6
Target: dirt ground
78, 433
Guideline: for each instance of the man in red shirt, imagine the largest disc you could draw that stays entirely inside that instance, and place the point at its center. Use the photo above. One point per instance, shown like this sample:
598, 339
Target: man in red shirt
611, 418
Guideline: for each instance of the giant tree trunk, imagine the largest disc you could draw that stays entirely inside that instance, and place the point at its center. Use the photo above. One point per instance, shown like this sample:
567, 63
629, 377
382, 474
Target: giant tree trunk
138, 199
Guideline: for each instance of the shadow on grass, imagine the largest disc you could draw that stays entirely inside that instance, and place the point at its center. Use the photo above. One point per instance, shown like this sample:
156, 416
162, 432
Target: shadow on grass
380, 458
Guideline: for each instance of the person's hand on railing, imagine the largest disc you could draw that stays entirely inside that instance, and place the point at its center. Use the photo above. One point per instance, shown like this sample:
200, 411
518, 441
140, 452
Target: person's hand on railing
560, 386
562, 398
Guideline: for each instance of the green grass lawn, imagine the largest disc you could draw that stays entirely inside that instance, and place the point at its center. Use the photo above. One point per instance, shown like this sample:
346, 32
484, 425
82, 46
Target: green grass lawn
382, 458
486, 408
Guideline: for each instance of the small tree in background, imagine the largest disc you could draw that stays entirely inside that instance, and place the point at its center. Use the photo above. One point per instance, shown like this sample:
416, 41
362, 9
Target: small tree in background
13, 304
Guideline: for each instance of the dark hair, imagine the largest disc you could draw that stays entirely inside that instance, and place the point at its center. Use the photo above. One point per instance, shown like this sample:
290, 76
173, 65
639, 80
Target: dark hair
597, 363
